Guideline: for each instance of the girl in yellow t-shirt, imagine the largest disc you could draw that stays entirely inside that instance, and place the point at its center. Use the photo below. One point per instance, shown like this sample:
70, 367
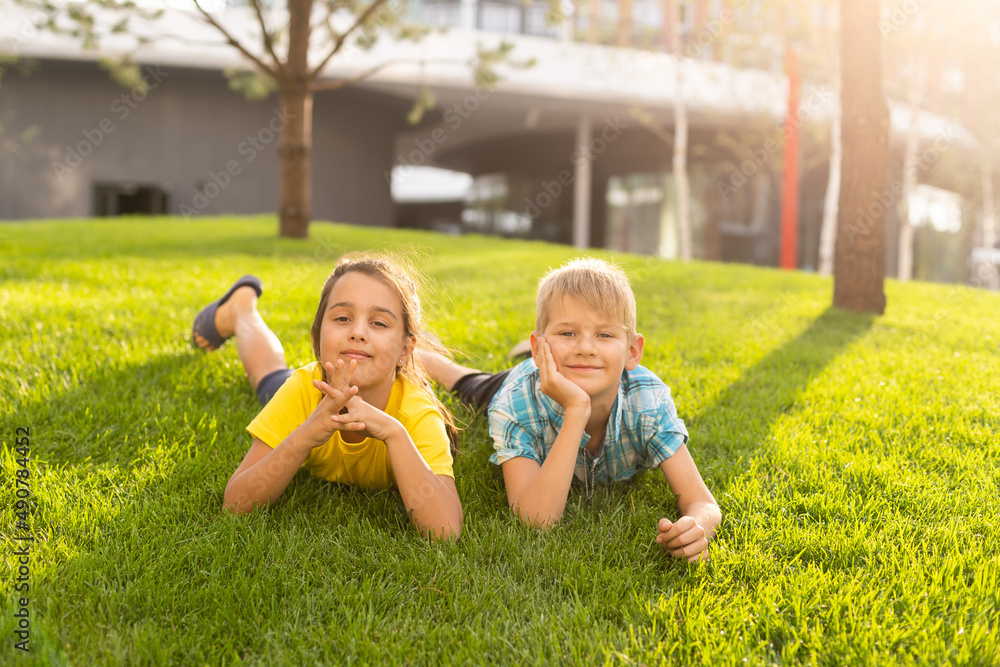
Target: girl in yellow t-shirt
361, 414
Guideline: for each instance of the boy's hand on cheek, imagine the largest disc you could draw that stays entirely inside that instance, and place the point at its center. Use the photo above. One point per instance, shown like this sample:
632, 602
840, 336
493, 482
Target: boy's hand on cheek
555, 385
684, 538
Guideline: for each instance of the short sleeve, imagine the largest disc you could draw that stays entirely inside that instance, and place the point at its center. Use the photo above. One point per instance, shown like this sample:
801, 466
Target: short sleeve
661, 431
511, 438
663, 446
663, 434
430, 436
290, 406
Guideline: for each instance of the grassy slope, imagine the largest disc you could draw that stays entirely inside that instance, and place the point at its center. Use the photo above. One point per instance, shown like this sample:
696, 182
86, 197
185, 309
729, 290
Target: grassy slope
855, 460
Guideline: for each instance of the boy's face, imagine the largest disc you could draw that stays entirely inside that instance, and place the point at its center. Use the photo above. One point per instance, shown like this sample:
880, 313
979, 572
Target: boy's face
589, 347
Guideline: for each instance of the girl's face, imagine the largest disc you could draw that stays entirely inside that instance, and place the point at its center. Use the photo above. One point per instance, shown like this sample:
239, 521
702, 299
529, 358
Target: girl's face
363, 321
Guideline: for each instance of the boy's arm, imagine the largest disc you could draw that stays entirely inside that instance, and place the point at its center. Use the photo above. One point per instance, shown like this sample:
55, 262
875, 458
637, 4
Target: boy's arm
538, 493
688, 537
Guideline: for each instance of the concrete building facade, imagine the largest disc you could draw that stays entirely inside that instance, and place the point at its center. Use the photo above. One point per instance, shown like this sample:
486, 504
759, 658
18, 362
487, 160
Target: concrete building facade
192, 146
187, 145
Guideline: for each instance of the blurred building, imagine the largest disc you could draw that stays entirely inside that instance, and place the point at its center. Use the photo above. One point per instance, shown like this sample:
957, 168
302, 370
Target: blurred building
602, 85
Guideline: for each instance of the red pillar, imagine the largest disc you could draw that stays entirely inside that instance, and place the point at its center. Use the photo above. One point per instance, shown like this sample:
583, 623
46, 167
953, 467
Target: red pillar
790, 187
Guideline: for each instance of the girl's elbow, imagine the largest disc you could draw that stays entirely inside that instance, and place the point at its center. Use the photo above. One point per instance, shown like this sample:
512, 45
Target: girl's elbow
447, 532
538, 520
238, 506
235, 508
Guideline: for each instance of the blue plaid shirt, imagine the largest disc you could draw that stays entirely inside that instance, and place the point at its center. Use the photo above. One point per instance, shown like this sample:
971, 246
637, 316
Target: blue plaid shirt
643, 430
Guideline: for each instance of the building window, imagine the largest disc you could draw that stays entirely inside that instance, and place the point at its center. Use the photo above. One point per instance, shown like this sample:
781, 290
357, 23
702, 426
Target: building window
637, 219
499, 16
112, 199
443, 13
487, 210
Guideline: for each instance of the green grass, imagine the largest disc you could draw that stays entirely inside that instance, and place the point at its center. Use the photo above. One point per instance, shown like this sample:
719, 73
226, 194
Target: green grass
855, 458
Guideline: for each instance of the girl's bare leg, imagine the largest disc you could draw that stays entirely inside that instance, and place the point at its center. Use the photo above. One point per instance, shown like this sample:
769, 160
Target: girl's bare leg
259, 349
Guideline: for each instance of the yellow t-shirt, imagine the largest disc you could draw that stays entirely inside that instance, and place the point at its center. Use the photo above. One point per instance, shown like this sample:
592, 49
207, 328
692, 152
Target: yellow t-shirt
364, 463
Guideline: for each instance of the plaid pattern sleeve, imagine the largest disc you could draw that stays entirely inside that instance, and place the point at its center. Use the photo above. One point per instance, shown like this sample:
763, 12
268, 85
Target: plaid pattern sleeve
643, 429
516, 425
651, 417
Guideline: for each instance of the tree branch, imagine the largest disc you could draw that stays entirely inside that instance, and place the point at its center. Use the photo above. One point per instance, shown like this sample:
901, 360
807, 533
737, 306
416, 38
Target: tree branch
343, 38
342, 83
654, 127
326, 21
235, 43
268, 42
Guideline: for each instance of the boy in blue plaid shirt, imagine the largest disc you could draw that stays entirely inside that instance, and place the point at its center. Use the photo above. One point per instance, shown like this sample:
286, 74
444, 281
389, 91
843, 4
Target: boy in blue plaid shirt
582, 407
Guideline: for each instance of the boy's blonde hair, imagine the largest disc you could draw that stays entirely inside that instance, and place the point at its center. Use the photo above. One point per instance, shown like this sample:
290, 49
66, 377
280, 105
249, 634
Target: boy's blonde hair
598, 284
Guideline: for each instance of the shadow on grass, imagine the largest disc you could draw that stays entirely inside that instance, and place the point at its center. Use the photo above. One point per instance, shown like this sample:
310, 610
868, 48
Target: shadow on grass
742, 416
172, 428
121, 410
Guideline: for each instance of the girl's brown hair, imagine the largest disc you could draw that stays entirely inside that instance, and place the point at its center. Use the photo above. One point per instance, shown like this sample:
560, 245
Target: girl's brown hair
400, 277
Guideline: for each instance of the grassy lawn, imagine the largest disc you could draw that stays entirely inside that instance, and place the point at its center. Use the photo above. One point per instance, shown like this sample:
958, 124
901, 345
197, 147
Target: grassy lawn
856, 461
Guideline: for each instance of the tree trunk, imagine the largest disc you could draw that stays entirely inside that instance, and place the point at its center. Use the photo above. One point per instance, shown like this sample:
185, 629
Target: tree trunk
989, 201
295, 146
667, 28
624, 36
989, 217
680, 139
859, 266
828, 232
592, 26
294, 156
905, 258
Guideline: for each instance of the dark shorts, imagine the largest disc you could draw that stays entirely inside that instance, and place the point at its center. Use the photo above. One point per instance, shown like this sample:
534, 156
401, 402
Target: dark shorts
475, 389
478, 389
270, 384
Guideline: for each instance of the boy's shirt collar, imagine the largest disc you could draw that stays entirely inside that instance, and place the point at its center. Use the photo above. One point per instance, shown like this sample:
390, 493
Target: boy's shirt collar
643, 429
612, 432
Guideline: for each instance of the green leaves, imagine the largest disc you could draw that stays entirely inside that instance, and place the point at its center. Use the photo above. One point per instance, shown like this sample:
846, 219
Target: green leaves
424, 102
250, 83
